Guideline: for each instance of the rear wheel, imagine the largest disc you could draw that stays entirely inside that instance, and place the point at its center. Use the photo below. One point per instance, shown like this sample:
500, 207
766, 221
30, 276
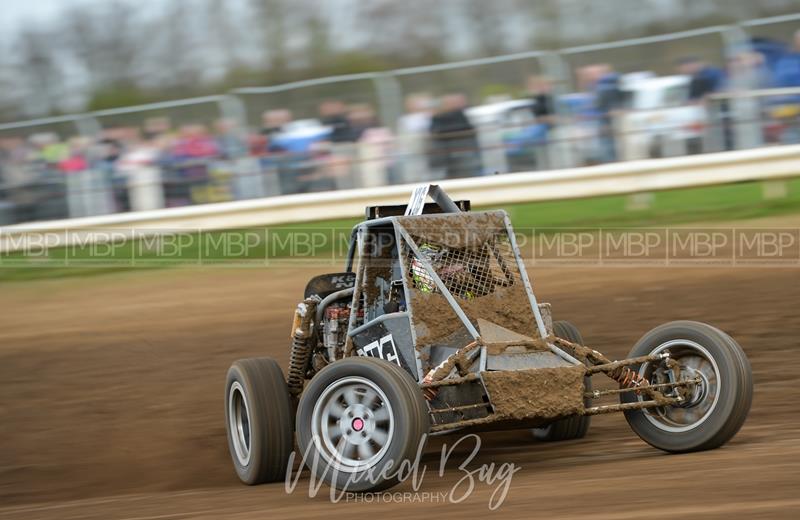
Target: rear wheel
714, 409
576, 426
258, 416
358, 420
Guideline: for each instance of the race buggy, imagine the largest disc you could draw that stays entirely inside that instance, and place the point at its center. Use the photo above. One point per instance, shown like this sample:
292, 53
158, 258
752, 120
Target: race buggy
433, 328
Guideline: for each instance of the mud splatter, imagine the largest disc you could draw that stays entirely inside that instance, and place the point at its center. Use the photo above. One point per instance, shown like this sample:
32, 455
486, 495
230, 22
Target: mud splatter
546, 393
502, 298
468, 230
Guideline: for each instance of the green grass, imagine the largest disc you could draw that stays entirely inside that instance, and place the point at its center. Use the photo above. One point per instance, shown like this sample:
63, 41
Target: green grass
328, 239
714, 203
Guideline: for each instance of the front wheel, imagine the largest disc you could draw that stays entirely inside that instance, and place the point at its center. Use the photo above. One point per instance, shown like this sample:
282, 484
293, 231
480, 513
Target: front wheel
714, 408
358, 421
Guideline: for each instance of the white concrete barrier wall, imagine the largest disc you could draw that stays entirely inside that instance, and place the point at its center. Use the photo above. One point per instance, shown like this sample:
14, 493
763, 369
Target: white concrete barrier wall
612, 179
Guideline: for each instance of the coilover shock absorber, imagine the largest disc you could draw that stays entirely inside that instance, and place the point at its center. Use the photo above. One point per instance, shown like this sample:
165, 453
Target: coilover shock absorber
627, 378
302, 336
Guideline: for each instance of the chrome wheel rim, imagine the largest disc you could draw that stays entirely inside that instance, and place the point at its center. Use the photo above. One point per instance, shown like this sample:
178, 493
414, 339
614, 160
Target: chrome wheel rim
239, 423
352, 424
696, 363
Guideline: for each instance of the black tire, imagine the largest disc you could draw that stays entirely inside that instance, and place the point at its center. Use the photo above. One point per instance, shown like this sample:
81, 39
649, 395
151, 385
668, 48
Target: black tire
707, 422
577, 426
260, 439
407, 413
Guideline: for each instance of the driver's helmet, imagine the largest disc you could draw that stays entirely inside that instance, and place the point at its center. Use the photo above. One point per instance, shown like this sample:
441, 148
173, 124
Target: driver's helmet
423, 280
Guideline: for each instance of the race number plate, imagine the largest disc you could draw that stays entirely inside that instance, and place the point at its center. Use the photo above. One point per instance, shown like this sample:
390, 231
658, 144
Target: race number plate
382, 348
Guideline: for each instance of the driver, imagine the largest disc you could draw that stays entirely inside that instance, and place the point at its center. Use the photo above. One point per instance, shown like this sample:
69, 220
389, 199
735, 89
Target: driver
455, 275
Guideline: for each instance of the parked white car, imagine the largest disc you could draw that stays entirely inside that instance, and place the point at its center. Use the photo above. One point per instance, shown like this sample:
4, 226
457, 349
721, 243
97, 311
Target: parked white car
661, 120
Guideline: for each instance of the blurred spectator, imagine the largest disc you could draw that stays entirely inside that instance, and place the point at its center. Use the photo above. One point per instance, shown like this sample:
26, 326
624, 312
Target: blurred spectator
787, 69
786, 109
47, 188
186, 166
108, 149
771, 52
360, 118
333, 113
705, 79
107, 153
194, 142
155, 127
76, 159
138, 184
417, 119
335, 157
49, 148
276, 160
609, 99
272, 125
540, 89
454, 147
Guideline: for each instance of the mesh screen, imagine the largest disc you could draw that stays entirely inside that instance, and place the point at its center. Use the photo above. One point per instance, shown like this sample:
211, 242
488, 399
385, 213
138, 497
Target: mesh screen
472, 254
467, 272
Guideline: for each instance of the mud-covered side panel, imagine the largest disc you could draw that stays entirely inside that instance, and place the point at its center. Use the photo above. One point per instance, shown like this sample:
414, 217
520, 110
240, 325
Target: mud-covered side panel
542, 393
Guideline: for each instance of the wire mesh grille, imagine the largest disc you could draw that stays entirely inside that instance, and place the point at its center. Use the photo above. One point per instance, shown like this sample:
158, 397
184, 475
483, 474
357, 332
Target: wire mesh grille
467, 272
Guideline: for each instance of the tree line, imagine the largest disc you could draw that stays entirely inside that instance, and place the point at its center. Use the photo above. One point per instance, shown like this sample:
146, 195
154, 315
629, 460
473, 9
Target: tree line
102, 54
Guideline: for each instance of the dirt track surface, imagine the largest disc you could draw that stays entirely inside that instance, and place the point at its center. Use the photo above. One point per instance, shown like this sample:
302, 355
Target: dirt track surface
111, 401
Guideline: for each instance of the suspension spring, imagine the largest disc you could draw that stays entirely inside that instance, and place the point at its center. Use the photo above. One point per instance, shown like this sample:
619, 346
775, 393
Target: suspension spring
298, 364
302, 337
627, 378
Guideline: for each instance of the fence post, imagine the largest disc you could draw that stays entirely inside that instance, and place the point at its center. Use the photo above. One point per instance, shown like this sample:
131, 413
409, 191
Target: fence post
746, 112
248, 180
555, 67
87, 126
233, 108
390, 98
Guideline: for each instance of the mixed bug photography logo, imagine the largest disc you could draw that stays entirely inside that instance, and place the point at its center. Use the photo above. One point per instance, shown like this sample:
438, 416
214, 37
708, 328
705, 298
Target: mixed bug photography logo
466, 475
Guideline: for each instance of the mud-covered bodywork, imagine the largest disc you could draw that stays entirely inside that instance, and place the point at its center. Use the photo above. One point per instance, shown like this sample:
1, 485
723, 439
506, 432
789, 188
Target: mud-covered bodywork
446, 296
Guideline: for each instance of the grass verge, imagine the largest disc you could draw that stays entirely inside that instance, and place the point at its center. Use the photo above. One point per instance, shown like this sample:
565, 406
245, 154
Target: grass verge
328, 239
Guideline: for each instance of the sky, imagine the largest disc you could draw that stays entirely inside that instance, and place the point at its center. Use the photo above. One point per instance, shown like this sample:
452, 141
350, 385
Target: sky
17, 13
